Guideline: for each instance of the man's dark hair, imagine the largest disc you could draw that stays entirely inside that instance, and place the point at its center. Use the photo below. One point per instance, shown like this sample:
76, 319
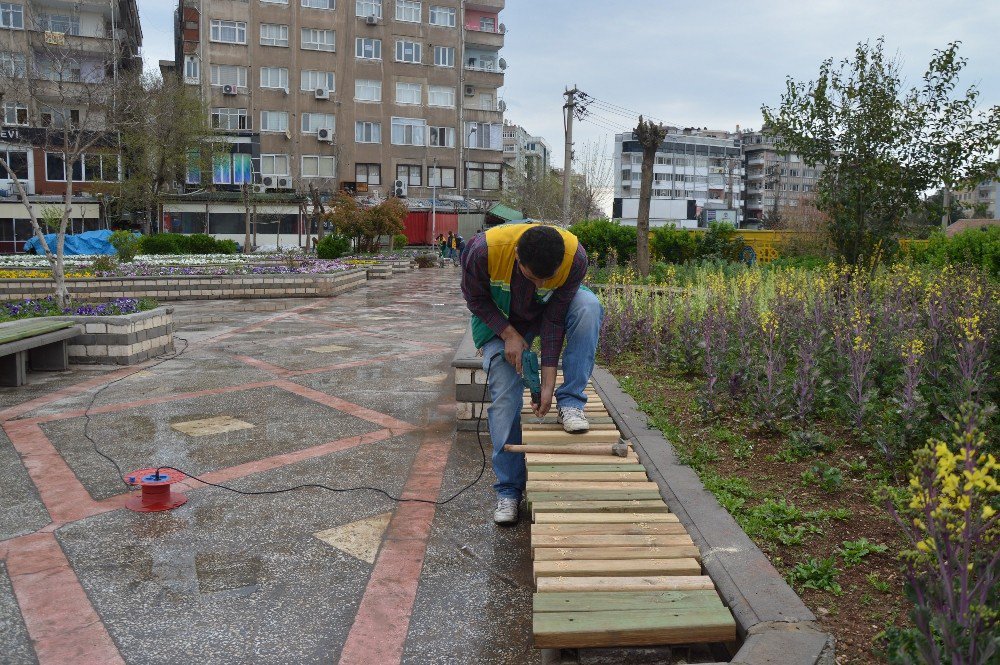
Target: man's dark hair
540, 249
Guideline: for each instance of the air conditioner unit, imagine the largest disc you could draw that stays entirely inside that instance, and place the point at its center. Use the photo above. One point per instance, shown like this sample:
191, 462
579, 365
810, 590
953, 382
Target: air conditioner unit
502, 106
503, 64
267, 181
284, 183
399, 189
229, 89
322, 93
325, 134
502, 29
372, 20
259, 189
470, 91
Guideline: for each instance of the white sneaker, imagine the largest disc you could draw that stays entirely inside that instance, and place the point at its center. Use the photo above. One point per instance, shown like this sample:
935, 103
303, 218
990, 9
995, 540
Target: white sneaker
573, 420
506, 512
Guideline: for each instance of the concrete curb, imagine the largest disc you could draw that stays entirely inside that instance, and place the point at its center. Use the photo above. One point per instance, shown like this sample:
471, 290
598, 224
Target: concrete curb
773, 622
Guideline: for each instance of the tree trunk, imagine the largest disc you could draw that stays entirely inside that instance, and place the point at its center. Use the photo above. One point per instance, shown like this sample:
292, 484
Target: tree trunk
946, 217
650, 136
246, 223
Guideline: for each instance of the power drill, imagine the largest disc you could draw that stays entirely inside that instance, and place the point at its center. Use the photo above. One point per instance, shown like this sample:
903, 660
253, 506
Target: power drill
530, 376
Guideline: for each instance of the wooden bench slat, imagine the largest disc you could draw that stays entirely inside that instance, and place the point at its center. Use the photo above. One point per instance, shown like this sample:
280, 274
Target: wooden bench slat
649, 583
624, 553
619, 601
588, 477
31, 328
632, 506
604, 518
593, 495
632, 628
596, 540
620, 529
586, 468
613, 568
568, 458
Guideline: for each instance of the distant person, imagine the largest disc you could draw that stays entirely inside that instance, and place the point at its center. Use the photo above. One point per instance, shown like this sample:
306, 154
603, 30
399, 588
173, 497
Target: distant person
440, 244
450, 245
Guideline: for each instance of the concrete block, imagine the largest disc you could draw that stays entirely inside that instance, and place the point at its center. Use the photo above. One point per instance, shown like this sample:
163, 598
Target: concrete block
463, 376
95, 328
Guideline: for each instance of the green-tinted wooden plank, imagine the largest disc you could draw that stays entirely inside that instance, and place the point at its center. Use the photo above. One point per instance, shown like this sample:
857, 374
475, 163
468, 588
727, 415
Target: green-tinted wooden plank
593, 495
19, 331
640, 506
569, 630
620, 601
587, 468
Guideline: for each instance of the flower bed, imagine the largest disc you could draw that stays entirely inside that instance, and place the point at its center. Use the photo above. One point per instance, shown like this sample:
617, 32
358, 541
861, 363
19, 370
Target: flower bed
804, 399
27, 309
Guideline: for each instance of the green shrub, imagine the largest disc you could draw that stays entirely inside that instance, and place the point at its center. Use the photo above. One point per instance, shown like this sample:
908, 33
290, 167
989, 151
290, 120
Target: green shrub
161, 243
227, 246
674, 245
332, 246
721, 242
600, 236
200, 243
126, 244
828, 477
976, 247
399, 241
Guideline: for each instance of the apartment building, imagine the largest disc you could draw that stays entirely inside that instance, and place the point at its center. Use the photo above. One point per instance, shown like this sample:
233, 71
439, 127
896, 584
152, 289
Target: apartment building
55, 58
524, 155
375, 97
697, 176
981, 200
776, 181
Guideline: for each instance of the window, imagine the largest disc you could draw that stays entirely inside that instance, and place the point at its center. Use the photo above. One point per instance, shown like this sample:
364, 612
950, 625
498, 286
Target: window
440, 176
368, 8
313, 122
64, 23
444, 56
409, 131
408, 10
14, 113
274, 164
58, 117
409, 173
18, 163
439, 95
482, 176
228, 118
229, 169
11, 16
273, 35
367, 91
228, 75
442, 137
87, 168
368, 173
228, 32
483, 135
274, 121
318, 166
13, 65
192, 69
367, 132
318, 40
443, 16
55, 167
274, 77
320, 4
314, 80
488, 24
368, 49
407, 51
409, 93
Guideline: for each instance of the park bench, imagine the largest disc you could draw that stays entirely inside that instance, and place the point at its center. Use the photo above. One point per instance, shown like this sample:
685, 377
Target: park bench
40, 344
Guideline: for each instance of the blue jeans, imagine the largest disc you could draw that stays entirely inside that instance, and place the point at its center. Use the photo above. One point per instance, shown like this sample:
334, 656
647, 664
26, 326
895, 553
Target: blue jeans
583, 325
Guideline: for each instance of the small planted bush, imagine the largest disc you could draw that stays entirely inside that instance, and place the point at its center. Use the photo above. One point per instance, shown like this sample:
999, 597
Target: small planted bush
161, 243
399, 240
332, 246
126, 244
828, 478
853, 551
819, 574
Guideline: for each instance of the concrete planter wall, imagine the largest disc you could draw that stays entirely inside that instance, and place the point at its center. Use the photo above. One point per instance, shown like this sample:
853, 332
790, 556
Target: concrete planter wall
122, 340
191, 287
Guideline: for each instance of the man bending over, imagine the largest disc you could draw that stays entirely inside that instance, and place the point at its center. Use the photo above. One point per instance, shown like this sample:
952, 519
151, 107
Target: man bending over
523, 281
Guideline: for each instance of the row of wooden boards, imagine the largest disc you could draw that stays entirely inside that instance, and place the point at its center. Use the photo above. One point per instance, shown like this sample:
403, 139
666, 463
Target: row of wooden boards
612, 566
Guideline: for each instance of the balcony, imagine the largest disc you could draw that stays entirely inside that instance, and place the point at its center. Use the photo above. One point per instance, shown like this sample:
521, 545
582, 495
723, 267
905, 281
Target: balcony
485, 5
483, 78
478, 37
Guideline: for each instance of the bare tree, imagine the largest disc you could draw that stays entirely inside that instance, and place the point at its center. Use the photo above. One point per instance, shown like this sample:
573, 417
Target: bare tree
73, 94
596, 188
650, 135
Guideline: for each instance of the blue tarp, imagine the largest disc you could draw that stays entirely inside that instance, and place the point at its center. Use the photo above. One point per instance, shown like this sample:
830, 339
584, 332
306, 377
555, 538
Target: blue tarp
91, 242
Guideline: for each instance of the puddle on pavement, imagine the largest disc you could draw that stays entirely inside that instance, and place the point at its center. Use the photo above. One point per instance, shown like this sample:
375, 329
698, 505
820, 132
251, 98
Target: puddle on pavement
227, 572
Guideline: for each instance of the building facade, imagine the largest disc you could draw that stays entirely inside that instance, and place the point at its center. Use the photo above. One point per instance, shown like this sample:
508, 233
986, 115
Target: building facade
697, 177
981, 200
56, 61
775, 181
375, 97
524, 155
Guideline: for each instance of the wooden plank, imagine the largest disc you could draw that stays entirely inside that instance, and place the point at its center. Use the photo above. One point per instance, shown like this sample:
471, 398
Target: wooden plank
586, 468
554, 426
620, 601
579, 486
559, 436
551, 420
568, 630
623, 553
611, 541
605, 477
624, 529
593, 495
651, 583
565, 458
613, 568
604, 518
561, 448
634, 506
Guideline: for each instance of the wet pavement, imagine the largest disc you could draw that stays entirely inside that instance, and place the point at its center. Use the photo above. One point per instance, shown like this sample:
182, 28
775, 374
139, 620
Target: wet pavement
345, 392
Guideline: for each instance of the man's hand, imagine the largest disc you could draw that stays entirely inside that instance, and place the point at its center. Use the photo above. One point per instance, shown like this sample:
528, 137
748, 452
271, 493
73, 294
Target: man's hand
513, 346
548, 390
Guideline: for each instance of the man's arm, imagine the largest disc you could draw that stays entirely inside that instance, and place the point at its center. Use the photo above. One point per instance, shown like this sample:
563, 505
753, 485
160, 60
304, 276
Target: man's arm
554, 318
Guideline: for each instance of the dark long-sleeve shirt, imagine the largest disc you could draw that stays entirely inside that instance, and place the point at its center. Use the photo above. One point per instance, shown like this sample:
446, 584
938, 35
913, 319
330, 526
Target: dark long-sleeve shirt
528, 315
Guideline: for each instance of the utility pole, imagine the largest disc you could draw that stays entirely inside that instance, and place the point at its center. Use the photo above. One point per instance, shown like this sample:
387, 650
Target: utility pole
569, 109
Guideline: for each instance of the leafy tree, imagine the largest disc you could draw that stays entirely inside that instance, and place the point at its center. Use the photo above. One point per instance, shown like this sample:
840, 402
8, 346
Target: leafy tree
365, 227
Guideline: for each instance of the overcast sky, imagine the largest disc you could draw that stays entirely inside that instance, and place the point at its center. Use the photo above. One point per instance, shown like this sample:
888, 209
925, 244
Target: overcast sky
706, 63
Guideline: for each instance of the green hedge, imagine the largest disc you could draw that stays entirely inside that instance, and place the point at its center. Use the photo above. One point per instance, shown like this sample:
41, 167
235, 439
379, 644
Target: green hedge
332, 246
600, 236
176, 243
976, 247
